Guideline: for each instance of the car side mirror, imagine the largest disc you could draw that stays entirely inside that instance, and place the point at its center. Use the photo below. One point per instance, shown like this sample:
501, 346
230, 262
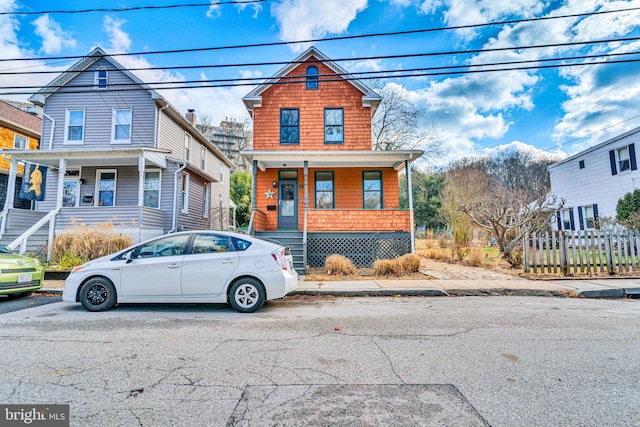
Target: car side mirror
131, 255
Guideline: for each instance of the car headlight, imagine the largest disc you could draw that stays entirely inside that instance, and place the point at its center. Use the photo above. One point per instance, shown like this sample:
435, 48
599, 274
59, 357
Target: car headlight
77, 268
36, 261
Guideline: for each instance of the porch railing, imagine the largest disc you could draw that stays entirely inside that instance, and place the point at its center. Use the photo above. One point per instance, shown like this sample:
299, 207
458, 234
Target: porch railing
24, 237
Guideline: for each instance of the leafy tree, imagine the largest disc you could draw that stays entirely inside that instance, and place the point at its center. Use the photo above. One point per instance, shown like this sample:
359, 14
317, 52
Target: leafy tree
628, 210
426, 197
240, 193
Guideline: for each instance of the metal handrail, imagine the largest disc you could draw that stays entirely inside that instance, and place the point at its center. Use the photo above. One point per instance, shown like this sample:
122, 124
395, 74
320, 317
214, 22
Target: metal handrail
22, 240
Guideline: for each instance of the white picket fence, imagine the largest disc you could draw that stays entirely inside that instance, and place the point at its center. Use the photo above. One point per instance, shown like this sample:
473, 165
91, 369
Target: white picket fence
571, 252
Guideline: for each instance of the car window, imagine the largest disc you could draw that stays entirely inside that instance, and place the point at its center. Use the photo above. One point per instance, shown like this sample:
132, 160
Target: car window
208, 243
167, 246
4, 250
241, 245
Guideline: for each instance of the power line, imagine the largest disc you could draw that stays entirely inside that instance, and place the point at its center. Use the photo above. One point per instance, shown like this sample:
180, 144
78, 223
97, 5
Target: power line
359, 36
302, 79
363, 58
135, 8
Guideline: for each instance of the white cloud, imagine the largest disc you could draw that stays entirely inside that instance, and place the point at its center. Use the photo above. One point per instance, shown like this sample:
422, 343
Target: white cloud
522, 147
310, 19
53, 37
119, 41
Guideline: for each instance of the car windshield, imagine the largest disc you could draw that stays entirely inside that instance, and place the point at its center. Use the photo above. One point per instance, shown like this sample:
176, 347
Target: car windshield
4, 250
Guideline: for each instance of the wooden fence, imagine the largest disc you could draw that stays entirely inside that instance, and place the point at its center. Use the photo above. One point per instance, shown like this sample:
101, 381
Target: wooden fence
571, 252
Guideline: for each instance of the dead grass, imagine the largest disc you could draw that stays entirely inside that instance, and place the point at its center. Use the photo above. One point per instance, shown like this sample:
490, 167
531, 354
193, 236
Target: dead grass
338, 265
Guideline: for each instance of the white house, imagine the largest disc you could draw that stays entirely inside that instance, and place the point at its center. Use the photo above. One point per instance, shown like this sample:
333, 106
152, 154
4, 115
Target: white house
591, 182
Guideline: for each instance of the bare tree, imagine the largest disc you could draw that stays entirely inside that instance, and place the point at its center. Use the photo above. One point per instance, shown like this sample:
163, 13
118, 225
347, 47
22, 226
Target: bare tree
396, 125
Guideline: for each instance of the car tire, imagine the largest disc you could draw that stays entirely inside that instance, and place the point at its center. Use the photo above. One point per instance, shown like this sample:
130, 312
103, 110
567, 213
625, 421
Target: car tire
247, 295
98, 294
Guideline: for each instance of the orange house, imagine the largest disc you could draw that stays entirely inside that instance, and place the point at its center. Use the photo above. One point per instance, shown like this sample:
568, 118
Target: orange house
318, 185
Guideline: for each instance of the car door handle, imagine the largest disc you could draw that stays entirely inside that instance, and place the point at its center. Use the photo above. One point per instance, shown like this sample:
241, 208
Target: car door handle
228, 261
173, 266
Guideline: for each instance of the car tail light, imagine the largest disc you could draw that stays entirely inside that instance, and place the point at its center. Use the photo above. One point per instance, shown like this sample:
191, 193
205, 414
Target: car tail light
279, 257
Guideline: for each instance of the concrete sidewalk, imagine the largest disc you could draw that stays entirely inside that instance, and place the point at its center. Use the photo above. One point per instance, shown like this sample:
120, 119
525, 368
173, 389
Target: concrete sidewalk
585, 288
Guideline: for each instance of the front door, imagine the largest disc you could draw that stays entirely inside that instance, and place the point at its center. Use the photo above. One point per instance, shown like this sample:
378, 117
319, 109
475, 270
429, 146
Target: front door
287, 205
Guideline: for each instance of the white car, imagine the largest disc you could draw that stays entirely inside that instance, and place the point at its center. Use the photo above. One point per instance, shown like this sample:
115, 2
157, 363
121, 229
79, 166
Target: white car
203, 266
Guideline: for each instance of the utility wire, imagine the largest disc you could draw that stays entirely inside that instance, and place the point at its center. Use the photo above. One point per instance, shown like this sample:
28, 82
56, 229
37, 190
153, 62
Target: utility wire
328, 77
135, 8
359, 36
361, 58
302, 79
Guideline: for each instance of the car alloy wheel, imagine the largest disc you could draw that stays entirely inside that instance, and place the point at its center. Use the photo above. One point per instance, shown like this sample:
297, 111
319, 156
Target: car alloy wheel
247, 295
98, 294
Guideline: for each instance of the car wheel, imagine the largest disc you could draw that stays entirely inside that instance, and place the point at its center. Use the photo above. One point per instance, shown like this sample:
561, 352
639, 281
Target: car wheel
247, 295
98, 294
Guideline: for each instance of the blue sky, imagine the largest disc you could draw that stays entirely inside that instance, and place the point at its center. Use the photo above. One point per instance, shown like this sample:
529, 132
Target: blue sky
549, 111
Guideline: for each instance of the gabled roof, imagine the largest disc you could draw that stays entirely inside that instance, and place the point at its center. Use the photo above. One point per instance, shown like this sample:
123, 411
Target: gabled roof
19, 120
95, 55
369, 97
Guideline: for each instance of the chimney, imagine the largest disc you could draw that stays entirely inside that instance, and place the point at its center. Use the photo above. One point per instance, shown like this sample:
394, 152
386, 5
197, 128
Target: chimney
191, 116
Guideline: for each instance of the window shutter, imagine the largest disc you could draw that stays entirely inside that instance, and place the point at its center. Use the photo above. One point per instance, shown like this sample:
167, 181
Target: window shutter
612, 159
595, 214
580, 218
573, 224
559, 221
632, 156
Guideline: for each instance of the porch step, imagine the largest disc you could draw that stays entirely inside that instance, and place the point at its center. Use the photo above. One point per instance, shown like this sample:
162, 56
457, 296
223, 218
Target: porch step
292, 239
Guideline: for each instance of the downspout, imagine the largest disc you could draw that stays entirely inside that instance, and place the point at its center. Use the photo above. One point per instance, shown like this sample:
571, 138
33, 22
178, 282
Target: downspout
174, 221
53, 129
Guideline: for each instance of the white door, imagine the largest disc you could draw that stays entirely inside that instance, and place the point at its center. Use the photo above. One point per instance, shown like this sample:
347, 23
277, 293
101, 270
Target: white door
155, 272
209, 266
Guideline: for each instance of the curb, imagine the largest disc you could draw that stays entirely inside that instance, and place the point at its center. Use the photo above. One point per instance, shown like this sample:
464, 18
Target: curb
613, 293
373, 292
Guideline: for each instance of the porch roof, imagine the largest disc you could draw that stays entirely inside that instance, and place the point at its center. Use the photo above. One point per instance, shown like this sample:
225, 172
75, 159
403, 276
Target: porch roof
75, 157
278, 159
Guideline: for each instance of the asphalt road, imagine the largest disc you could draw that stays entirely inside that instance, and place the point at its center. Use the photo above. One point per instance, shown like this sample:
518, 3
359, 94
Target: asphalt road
8, 305
500, 361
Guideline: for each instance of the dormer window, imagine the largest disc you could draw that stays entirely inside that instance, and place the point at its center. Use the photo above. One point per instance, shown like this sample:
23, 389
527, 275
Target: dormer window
101, 79
312, 77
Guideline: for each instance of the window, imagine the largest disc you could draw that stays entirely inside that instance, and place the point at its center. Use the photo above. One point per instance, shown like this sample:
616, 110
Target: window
184, 193
101, 79
187, 146
624, 163
222, 170
589, 217
203, 157
152, 188
74, 130
106, 187
566, 218
324, 190
333, 126
289, 126
20, 142
312, 77
166, 246
372, 189
205, 200
208, 243
581, 164
121, 126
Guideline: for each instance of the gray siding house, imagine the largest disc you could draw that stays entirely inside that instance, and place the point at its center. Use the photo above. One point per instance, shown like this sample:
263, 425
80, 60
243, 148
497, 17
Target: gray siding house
116, 151
592, 181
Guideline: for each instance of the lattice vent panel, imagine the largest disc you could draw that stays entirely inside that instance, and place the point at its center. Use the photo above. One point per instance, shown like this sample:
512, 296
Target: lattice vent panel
361, 248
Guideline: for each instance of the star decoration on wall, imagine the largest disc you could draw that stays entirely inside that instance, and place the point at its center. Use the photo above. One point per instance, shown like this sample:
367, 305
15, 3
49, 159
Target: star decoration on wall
269, 194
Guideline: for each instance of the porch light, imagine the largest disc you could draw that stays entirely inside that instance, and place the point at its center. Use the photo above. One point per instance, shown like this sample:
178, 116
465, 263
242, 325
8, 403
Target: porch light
275, 184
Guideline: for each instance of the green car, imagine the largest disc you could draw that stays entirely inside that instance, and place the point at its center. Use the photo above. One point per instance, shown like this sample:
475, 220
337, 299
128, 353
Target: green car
19, 275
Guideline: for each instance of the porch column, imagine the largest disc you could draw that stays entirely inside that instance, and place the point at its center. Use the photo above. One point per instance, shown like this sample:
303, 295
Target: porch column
410, 197
11, 185
141, 181
306, 209
254, 184
62, 170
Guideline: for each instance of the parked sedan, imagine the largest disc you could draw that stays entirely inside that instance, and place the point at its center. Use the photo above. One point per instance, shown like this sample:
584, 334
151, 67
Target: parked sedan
188, 267
19, 275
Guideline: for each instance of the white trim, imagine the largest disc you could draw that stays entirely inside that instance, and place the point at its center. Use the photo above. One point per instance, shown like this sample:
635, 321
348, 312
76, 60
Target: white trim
115, 185
206, 199
203, 157
159, 186
74, 178
96, 79
184, 193
26, 141
187, 146
113, 126
66, 127
222, 173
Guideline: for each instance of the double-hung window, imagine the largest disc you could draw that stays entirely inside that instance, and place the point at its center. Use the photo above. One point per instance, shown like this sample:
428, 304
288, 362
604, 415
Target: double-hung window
372, 189
222, 173
589, 217
333, 125
101, 79
566, 219
184, 194
289, 126
312, 77
152, 188
205, 200
121, 127
20, 142
324, 190
187, 146
203, 157
624, 162
74, 129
